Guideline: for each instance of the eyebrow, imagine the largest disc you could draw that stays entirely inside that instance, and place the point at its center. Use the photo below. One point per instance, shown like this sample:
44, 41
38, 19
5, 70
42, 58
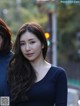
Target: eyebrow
21, 41
29, 40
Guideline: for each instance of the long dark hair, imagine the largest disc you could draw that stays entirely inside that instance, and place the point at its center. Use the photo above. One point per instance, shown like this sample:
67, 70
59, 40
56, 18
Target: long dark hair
21, 73
5, 33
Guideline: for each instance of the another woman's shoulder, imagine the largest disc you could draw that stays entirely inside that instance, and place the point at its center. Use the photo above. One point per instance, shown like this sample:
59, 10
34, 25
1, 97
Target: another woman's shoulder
10, 55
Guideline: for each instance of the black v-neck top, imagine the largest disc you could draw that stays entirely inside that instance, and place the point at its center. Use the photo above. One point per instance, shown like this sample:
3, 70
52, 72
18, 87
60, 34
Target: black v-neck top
52, 89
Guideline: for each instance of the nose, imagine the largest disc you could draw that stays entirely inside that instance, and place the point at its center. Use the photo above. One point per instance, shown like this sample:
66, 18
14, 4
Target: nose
27, 47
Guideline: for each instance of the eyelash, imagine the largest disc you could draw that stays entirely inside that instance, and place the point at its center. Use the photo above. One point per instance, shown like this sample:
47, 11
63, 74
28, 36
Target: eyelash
32, 42
22, 44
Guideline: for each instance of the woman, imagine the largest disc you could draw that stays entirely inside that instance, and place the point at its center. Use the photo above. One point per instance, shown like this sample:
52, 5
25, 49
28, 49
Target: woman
33, 81
5, 55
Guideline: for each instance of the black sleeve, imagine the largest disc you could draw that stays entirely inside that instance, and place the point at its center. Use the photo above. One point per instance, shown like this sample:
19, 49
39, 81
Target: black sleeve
61, 89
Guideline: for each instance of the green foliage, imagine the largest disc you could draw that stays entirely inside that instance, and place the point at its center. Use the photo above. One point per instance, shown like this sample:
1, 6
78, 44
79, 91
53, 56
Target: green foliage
68, 24
15, 14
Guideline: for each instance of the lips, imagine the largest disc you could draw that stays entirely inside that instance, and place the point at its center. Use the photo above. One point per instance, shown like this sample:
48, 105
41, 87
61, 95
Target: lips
30, 54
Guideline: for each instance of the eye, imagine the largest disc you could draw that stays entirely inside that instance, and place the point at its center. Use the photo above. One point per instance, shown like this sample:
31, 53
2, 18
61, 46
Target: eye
22, 43
32, 42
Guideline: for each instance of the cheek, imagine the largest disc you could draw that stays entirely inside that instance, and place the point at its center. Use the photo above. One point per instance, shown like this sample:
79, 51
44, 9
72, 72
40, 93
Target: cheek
22, 49
38, 49
38, 46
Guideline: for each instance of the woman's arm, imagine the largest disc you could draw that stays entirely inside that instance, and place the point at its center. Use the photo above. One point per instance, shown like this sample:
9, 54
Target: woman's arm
61, 89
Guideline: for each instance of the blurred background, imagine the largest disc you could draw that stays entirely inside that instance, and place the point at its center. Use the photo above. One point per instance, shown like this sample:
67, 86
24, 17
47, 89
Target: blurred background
60, 20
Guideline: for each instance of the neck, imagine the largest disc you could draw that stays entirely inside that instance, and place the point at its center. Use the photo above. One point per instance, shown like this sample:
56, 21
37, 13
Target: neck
38, 63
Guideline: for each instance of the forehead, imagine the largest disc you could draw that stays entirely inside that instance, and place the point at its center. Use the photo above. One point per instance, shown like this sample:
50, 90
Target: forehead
28, 35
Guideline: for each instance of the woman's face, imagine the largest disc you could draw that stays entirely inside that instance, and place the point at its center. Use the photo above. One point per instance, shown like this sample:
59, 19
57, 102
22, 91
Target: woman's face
31, 46
1, 41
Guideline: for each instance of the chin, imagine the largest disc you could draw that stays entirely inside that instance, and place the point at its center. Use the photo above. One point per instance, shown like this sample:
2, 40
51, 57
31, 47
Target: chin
31, 60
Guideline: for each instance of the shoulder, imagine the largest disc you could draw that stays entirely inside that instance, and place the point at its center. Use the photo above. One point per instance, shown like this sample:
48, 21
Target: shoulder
10, 54
57, 69
58, 72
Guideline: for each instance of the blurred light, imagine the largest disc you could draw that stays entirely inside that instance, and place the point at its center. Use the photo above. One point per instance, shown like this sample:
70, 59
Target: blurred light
47, 35
48, 42
5, 11
79, 102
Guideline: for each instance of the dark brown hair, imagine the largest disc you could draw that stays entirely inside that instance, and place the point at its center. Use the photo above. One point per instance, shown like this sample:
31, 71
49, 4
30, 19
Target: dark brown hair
21, 73
5, 33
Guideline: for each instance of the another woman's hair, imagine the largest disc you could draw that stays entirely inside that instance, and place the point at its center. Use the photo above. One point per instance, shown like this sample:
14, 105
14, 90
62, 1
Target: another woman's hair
5, 33
21, 73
